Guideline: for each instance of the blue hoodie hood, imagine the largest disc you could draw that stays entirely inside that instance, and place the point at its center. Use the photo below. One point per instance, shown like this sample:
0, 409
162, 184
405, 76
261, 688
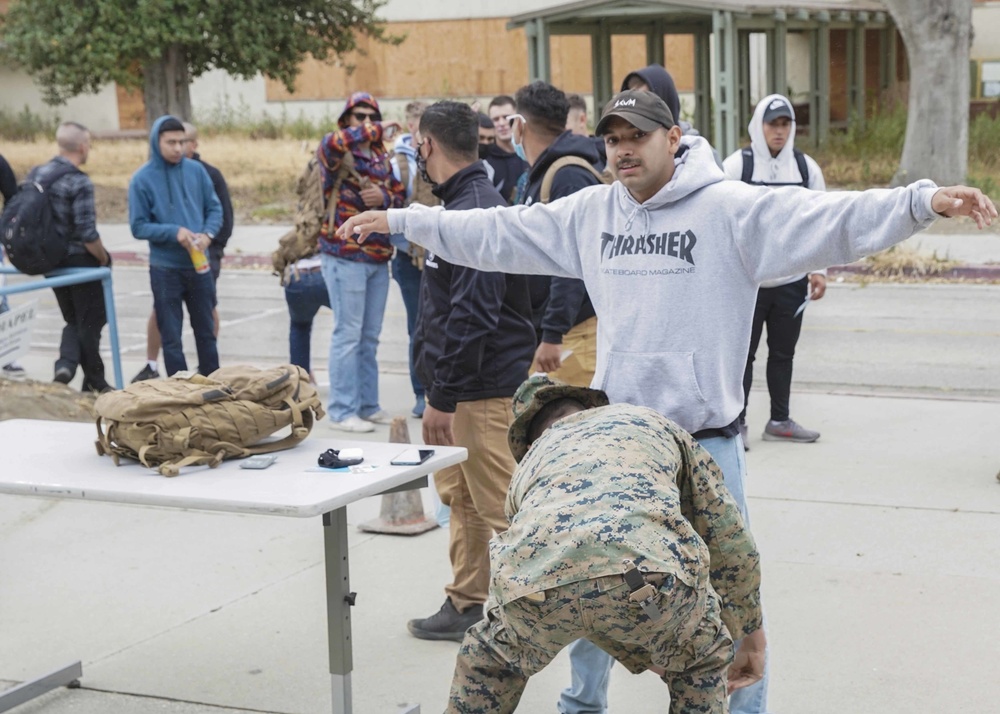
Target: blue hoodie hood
164, 197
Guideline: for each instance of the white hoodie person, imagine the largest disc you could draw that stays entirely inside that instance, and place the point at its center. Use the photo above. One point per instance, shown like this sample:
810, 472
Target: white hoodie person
674, 278
769, 170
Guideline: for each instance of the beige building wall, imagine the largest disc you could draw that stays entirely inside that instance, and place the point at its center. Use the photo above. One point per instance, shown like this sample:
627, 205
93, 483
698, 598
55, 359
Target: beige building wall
99, 112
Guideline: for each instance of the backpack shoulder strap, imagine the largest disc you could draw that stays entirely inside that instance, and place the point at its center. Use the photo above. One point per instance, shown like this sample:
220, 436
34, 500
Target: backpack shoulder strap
403, 162
57, 173
562, 162
747, 176
345, 168
800, 159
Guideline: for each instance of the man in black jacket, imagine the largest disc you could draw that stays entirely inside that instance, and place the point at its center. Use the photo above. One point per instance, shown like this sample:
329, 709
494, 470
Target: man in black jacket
472, 347
563, 315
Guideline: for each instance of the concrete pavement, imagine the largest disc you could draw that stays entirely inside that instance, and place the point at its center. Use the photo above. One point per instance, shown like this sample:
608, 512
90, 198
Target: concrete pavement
879, 543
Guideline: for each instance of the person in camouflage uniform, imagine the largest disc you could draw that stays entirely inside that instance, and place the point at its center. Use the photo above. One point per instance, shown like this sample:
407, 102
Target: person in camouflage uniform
597, 486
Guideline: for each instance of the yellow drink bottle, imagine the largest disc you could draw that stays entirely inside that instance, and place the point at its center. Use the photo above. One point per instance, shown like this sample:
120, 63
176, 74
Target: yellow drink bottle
199, 260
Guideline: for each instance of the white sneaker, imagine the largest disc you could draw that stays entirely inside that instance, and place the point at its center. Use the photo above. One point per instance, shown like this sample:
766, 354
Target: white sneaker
14, 371
351, 423
379, 417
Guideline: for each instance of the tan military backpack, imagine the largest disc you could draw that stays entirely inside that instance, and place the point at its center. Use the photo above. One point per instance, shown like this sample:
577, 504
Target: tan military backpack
184, 421
302, 241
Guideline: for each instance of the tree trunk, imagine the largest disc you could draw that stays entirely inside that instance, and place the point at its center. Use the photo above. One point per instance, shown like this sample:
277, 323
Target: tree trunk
937, 35
166, 86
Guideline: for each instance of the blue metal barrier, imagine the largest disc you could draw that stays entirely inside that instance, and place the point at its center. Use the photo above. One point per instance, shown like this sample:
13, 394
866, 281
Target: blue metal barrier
74, 276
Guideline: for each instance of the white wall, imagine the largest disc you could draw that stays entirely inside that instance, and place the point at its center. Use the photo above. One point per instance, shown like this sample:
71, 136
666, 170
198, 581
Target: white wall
98, 112
986, 26
216, 96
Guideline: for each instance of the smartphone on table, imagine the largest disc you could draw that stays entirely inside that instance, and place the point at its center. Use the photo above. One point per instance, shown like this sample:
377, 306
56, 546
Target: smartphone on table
412, 457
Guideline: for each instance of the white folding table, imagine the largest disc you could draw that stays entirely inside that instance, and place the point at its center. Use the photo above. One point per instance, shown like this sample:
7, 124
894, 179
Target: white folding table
294, 486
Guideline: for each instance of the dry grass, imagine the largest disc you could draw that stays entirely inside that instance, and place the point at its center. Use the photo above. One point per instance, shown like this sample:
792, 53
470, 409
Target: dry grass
905, 261
261, 173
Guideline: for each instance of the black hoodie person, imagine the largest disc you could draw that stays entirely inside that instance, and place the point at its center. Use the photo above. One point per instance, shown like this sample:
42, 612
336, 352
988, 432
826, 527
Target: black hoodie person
656, 79
562, 312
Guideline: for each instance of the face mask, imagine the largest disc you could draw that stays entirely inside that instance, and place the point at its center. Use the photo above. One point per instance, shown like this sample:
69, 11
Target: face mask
422, 168
518, 148
484, 150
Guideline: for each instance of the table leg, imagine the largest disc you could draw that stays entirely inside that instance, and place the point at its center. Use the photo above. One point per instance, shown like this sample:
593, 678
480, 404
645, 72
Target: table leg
339, 599
22, 693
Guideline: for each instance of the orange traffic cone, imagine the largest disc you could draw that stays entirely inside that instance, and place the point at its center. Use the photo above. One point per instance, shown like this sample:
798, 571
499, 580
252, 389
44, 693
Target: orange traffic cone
402, 512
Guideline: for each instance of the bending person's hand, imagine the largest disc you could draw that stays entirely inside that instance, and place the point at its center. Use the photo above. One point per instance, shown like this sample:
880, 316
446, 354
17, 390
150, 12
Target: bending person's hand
953, 201
363, 225
748, 665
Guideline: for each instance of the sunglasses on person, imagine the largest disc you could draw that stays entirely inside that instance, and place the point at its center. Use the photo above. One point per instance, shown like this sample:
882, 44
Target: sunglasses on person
365, 116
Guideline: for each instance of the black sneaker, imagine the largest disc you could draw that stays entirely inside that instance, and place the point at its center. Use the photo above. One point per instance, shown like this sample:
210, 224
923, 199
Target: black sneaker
63, 375
446, 624
145, 373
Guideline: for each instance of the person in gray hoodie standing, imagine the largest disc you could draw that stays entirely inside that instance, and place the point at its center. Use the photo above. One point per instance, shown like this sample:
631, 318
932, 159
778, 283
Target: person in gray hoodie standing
772, 160
672, 255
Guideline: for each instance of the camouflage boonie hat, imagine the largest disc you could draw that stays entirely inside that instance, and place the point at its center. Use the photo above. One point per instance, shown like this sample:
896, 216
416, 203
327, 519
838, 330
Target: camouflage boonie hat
533, 394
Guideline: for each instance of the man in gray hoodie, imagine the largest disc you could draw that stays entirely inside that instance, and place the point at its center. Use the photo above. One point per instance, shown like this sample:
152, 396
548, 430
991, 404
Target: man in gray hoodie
672, 255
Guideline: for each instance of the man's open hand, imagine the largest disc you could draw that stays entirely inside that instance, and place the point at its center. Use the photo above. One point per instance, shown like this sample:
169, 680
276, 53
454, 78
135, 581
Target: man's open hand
438, 427
363, 225
953, 201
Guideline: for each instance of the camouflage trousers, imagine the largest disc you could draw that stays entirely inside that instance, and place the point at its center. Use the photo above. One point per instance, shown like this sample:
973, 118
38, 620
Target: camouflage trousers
520, 638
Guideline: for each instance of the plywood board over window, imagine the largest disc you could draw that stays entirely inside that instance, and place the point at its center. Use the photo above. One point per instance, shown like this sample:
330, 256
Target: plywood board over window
454, 58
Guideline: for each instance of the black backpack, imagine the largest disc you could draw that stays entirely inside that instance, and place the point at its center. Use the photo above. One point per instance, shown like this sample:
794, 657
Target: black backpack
800, 160
28, 231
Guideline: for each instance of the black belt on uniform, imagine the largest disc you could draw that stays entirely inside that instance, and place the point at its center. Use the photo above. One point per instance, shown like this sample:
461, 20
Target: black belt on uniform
728, 431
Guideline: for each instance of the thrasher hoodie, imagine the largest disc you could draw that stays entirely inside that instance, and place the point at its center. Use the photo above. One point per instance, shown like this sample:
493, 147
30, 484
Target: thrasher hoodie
674, 280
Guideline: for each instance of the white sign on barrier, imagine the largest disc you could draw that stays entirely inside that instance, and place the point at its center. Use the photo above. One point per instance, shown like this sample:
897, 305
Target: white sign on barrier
15, 331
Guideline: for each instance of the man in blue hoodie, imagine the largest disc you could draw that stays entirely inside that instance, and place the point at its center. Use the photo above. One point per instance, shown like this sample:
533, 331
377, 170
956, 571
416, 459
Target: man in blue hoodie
672, 255
172, 204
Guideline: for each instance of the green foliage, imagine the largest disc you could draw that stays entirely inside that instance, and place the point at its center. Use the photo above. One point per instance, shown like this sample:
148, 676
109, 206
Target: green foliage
26, 126
984, 140
72, 47
882, 135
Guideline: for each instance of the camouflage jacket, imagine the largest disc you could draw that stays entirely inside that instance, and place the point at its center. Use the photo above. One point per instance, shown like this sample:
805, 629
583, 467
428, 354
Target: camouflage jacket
622, 482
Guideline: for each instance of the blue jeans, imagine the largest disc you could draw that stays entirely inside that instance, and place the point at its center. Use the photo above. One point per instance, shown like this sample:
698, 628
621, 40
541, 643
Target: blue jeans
407, 276
358, 292
304, 296
588, 690
172, 289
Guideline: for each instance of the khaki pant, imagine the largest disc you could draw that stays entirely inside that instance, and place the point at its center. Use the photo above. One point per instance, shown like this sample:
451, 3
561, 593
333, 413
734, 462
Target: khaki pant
578, 369
475, 490
516, 640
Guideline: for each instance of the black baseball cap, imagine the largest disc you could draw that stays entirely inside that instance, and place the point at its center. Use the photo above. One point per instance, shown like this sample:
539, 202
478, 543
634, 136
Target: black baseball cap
643, 110
779, 107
